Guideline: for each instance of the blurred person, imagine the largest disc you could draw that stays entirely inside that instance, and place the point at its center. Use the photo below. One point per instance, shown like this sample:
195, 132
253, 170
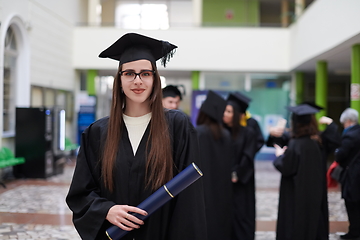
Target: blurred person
216, 158
243, 171
248, 120
348, 157
128, 155
330, 137
330, 140
301, 196
172, 97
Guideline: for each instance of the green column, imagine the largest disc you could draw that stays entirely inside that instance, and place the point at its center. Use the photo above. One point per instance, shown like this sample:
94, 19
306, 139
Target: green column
355, 78
195, 79
90, 82
321, 89
299, 83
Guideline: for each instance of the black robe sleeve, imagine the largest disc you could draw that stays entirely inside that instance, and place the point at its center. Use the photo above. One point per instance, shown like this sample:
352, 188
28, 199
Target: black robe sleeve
281, 141
245, 148
331, 139
287, 163
259, 136
84, 196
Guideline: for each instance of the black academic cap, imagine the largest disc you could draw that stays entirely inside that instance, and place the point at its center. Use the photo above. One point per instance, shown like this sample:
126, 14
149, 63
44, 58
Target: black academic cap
313, 105
303, 109
302, 113
171, 91
240, 100
214, 106
132, 47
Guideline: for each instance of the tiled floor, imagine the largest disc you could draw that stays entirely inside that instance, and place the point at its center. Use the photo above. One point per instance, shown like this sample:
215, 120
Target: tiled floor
36, 209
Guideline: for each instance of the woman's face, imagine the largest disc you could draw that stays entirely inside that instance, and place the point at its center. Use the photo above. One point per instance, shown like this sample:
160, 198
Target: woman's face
137, 89
228, 115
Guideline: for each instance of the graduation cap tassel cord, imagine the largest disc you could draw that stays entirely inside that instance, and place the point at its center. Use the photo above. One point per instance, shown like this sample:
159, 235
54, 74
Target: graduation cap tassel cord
168, 51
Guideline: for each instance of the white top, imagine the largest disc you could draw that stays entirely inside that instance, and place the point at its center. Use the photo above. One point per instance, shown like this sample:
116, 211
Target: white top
136, 127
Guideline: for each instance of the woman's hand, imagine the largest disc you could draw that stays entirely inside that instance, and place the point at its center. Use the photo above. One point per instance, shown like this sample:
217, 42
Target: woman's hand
278, 150
119, 215
276, 131
234, 177
325, 120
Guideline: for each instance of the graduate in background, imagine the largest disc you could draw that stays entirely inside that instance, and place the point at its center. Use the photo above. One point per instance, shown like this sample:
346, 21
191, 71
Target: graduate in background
243, 175
330, 137
127, 156
330, 140
216, 157
348, 157
249, 121
300, 214
172, 97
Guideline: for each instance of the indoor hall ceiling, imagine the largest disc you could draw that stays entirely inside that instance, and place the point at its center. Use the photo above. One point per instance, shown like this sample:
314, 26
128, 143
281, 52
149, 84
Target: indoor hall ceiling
338, 58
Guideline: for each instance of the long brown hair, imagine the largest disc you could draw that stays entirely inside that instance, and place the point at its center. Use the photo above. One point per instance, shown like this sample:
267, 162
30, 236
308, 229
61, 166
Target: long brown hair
235, 128
215, 126
305, 126
159, 163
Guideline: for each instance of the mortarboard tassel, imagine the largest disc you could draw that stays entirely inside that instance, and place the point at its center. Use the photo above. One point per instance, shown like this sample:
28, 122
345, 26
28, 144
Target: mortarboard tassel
168, 52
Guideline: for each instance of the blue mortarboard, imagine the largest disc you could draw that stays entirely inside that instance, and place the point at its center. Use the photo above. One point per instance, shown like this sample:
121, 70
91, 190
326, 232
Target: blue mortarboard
312, 104
302, 113
303, 109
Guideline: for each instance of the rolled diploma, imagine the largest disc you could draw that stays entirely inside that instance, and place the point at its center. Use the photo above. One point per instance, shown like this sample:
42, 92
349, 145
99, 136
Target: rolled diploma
168, 191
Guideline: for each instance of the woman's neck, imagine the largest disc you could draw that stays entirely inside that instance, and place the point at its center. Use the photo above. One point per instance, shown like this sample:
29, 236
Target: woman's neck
134, 109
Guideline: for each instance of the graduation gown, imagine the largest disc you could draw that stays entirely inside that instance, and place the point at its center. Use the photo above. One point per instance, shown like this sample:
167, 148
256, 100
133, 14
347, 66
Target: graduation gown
216, 161
330, 140
301, 192
244, 190
251, 122
181, 218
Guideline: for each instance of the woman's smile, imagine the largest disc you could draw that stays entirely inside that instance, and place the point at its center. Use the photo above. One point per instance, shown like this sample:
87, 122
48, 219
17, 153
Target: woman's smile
138, 90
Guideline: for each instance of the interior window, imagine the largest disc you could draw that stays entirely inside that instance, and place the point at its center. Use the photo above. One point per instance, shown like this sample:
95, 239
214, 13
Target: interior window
10, 57
142, 16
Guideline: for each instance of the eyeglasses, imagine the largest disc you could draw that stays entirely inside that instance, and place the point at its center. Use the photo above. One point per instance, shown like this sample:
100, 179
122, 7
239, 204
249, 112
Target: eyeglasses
131, 75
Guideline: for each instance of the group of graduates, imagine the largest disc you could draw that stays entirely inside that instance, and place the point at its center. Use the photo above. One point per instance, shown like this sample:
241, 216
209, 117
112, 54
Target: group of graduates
302, 153
125, 157
302, 157
227, 152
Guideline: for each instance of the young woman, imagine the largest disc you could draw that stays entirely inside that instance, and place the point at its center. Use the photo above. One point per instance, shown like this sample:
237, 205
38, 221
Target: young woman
300, 214
243, 178
127, 156
216, 157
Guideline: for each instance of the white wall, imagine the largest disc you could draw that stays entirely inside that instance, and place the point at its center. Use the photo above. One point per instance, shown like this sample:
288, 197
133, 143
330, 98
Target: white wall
204, 49
51, 43
48, 31
326, 24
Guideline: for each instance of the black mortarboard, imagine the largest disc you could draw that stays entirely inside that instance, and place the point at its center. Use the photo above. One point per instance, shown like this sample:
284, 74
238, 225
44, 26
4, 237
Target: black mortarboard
171, 91
302, 113
132, 47
214, 106
240, 100
313, 105
303, 109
